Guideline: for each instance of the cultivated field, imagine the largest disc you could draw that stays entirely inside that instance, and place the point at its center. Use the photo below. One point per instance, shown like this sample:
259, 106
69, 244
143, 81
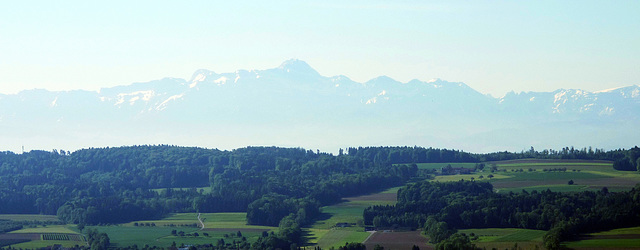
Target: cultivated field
530, 175
622, 238
28, 217
438, 166
502, 238
324, 232
586, 175
217, 226
397, 240
540, 175
39, 237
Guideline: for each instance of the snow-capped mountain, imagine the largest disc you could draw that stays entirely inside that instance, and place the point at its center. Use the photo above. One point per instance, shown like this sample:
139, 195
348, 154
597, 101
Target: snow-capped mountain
293, 105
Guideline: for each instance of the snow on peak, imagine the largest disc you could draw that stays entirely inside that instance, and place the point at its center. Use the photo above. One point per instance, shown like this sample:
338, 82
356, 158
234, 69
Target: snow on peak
297, 66
165, 103
135, 96
54, 102
222, 80
608, 90
199, 76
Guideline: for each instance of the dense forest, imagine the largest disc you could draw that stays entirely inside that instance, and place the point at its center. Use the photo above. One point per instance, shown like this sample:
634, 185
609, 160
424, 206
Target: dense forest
276, 186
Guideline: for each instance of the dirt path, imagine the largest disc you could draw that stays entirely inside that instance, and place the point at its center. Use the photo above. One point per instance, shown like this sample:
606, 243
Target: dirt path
201, 223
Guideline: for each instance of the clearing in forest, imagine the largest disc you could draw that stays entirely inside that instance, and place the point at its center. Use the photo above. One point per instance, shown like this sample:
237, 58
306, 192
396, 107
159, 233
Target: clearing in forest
218, 226
621, 238
501, 238
343, 222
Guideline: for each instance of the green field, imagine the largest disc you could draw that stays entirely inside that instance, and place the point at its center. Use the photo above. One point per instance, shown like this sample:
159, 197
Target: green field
28, 217
553, 188
217, 225
617, 238
586, 175
211, 221
438, 166
338, 237
501, 238
37, 244
324, 234
475, 176
122, 236
64, 229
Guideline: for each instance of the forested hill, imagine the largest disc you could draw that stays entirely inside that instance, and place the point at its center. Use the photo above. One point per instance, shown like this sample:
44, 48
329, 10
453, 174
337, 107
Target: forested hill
112, 185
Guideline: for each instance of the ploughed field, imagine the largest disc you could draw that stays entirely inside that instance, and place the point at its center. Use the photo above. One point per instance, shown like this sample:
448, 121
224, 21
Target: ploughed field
39, 237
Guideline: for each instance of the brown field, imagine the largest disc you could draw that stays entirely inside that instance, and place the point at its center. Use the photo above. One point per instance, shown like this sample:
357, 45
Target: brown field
249, 230
397, 240
20, 236
520, 161
594, 183
375, 197
28, 217
611, 237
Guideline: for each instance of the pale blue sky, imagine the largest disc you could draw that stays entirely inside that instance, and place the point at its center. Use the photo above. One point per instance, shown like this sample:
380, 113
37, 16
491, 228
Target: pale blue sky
493, 46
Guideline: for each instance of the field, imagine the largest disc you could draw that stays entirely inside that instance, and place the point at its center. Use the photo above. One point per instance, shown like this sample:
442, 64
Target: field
217, 226
341, 223
324, 232
438, 166
586, 175
530, 175
397, 240
39, 237
28, 217
502, 238
622, 238
211, 220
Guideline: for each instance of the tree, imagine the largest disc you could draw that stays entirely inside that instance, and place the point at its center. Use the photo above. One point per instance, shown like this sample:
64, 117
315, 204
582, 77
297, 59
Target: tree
457, 241
570, 182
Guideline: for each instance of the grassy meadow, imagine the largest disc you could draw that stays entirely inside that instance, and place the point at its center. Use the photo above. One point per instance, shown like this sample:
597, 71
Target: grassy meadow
627, 238
217, 226
501, 238
324, 234
28, 217
530, 175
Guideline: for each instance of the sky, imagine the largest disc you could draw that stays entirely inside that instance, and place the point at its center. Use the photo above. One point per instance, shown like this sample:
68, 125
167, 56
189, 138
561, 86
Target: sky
493, 46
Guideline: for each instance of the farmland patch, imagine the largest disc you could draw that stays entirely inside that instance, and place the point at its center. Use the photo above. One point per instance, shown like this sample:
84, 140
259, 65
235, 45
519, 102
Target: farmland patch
398, 240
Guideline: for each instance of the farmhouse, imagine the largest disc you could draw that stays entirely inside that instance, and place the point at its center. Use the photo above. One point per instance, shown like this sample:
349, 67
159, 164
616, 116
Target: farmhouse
448, 170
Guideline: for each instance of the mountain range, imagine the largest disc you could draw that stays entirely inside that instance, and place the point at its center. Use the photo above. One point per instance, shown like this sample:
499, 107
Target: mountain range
294, 106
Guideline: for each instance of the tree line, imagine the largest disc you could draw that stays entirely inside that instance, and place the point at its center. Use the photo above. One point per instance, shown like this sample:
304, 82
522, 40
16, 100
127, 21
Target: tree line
442, 208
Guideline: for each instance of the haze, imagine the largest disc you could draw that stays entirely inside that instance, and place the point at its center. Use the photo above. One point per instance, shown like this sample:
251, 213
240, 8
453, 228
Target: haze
494, 47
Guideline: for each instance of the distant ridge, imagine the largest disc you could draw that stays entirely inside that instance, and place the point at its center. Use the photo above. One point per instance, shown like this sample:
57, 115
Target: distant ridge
293, 105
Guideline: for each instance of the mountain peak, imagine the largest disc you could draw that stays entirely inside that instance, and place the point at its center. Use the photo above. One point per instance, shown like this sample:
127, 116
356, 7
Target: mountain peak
297, 66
